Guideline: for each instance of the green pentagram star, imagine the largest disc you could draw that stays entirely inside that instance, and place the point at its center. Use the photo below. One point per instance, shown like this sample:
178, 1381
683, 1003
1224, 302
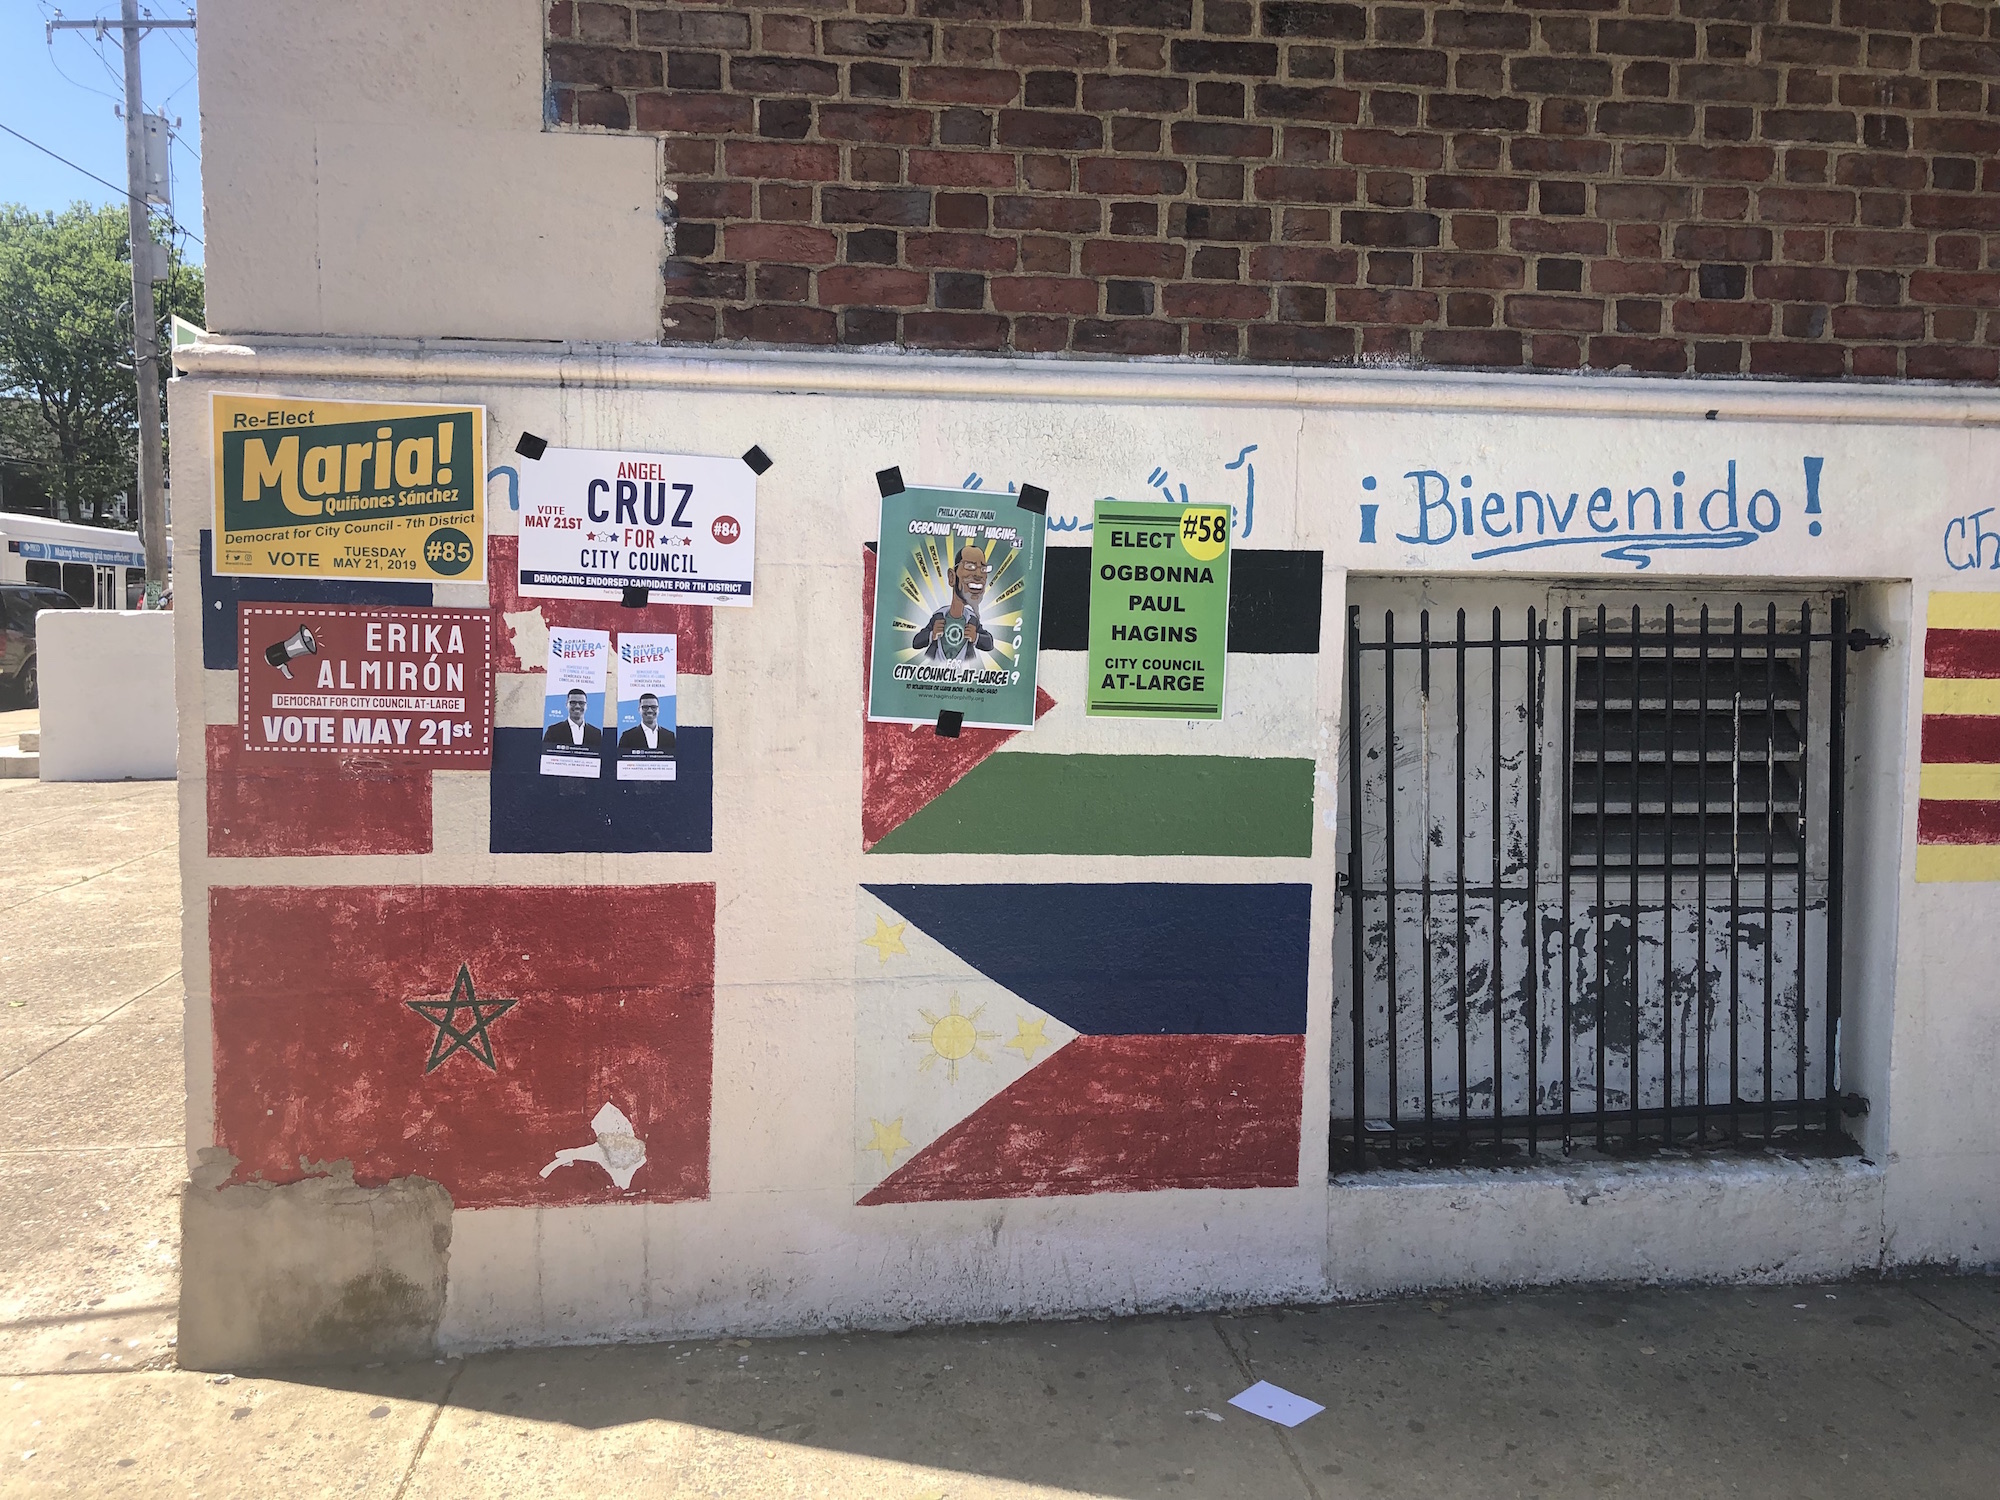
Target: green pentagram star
443, 1014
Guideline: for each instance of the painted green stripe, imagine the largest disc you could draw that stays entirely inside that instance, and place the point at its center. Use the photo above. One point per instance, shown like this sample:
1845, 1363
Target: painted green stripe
1118, 804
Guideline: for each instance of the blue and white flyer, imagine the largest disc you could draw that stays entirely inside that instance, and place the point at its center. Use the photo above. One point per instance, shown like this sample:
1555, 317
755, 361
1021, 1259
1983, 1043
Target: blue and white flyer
573, 710
646, 685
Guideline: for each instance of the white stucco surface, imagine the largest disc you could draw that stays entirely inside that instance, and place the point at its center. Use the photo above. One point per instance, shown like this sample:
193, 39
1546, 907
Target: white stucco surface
321, 218
107, 695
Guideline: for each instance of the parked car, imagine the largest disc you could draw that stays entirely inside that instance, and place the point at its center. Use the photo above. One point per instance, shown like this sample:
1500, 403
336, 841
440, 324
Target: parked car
19, 604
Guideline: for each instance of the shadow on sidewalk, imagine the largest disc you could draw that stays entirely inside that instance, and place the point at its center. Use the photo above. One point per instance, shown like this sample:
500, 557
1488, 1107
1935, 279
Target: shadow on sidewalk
1777, 1391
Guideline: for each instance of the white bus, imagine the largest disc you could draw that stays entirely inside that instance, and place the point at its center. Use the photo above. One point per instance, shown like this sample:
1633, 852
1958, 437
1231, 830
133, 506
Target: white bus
97, 567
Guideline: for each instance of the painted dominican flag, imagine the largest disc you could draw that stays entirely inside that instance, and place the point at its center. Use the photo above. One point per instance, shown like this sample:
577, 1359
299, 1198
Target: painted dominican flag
519, 1045
1017, 1041
1958, 816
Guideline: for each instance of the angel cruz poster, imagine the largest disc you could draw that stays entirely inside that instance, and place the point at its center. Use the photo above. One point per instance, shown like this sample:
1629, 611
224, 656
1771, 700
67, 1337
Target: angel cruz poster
596, 523
958, 609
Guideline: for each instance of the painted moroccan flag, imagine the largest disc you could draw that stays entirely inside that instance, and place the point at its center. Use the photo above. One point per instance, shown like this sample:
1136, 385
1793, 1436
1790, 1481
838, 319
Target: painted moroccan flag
473, 1035
1958, 816
1017, 1041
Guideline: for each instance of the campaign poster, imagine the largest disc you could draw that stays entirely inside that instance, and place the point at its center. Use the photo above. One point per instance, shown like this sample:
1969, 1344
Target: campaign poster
595, 523
1159, 610
413, 685
573, 710
646, 667
306, 488
958, 609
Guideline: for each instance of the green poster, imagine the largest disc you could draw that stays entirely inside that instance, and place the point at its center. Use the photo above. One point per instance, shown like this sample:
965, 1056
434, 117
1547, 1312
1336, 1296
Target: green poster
1159, 610
958, 609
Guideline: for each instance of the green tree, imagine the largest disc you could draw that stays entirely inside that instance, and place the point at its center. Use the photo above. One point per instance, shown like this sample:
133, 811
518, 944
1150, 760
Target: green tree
66, 344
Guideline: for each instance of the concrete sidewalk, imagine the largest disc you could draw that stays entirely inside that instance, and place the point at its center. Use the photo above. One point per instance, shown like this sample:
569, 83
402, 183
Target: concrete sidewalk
1800, 1393
1793, 1392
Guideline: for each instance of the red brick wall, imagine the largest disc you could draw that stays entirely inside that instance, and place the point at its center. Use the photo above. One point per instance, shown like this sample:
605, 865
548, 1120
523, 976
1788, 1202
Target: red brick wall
1781, 187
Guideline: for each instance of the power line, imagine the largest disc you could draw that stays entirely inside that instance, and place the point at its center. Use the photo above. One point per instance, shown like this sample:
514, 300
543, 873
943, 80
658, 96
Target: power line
50, 40
121, 192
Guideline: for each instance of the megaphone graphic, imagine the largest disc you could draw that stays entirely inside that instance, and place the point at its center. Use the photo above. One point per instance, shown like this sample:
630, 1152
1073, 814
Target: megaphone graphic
299, 643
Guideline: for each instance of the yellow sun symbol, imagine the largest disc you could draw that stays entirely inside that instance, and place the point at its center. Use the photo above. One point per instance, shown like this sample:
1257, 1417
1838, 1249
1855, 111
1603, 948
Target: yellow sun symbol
953, 1036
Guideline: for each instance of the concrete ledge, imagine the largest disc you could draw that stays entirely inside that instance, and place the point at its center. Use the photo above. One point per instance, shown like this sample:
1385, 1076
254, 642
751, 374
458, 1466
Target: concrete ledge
578, 365
309, 1272
107, 686
1762, 1220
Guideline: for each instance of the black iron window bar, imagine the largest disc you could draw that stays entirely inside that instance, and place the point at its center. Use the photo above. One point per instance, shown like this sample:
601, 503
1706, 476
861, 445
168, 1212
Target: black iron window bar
1685, 766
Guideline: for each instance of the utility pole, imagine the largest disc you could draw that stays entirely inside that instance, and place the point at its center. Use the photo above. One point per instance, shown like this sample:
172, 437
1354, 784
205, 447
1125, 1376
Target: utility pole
149, 263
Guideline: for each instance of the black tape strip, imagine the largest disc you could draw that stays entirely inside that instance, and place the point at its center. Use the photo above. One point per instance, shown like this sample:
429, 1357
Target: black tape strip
759, 461
889, 482
1034, 498
950, 721
531, 446
1274, 601
635, 598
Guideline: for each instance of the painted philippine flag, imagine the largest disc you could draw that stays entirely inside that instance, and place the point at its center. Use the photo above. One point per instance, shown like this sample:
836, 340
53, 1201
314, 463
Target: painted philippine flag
519, 1045
1030, 1040
1958, 814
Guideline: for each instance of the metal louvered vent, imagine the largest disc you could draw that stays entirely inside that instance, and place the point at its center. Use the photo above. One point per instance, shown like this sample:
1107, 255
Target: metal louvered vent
1687, 741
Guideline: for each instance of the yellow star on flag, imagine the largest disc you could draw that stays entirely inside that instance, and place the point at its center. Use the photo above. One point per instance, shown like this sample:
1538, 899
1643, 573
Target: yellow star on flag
886, 940
1028, 1038
888, 1140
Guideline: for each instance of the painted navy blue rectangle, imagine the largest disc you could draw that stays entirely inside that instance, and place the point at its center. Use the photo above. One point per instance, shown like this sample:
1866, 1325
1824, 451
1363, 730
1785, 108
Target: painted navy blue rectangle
1131, 959
221, 595
536, 814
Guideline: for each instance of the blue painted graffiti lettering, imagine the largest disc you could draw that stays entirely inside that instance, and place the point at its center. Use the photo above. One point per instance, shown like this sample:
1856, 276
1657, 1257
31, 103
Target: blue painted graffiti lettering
1630, 523
513, 484
1965, 539
1175, 492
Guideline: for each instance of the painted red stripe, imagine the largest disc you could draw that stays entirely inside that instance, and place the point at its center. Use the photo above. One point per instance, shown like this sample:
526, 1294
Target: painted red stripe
1961, 739
265, 804
1123, 1114
1962, 653
691, 624
1958, 822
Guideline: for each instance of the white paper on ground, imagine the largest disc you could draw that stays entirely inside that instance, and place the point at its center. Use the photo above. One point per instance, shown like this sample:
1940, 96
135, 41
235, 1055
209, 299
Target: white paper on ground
1266, 1400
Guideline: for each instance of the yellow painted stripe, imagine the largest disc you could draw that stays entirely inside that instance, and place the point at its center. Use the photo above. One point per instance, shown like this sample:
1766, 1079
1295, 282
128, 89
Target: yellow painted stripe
1962, 695
1951, 862
1959, 784
1965, 611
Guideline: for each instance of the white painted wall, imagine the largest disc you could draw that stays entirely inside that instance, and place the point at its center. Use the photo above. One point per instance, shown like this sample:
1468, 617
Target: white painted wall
107, 695
321, 218
780, 1243
365, 200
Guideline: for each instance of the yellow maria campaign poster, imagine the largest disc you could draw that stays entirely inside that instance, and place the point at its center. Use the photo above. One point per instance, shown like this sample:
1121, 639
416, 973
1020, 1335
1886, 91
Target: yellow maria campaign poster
345, 489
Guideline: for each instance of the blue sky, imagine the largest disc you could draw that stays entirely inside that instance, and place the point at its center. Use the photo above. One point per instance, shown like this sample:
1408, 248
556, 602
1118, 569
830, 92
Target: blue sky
62, 95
